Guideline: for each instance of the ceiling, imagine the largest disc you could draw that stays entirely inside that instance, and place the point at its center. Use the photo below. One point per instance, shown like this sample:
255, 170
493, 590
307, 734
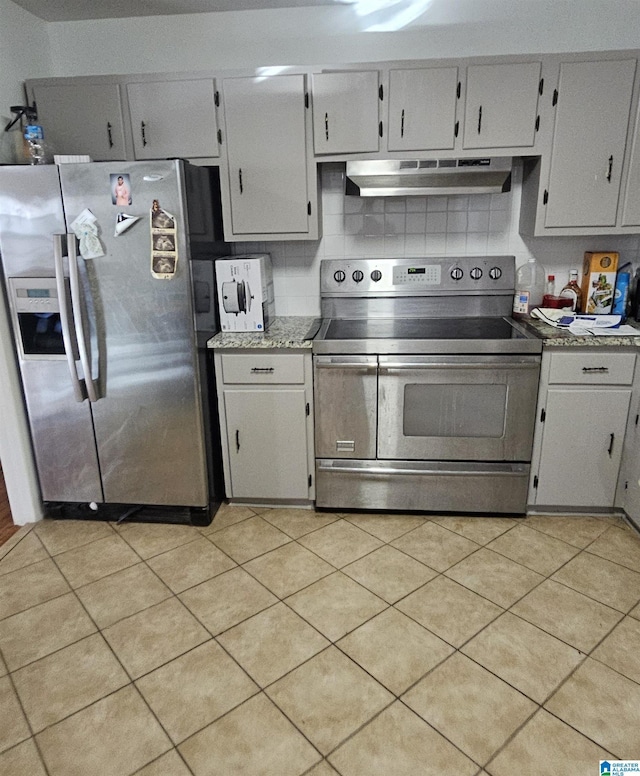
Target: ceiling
73, 10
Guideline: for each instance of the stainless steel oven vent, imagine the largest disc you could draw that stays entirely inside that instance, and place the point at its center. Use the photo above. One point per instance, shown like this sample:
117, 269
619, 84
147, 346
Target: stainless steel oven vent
402, 178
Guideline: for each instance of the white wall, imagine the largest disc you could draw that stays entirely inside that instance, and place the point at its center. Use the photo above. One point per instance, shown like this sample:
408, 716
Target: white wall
325, 34
24, 53
419, 226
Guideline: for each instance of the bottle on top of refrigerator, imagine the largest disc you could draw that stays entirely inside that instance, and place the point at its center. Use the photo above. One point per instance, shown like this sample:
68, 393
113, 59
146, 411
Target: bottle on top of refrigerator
530, 287
573, 292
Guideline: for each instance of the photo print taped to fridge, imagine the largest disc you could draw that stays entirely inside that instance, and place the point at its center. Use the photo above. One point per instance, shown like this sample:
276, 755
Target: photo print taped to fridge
121, 189
164, 253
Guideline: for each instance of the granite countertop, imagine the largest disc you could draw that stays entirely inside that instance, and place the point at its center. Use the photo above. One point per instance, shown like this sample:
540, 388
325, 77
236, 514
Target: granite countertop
561, 338
294, 332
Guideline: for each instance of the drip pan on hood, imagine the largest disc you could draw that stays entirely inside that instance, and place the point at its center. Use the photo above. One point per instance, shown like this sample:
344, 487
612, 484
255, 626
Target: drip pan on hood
400, 178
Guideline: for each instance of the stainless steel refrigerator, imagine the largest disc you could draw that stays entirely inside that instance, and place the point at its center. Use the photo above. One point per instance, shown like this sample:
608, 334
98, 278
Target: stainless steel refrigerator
107, 346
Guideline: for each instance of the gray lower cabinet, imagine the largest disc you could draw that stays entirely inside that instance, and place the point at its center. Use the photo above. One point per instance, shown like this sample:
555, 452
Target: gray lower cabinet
583, 406
265, 401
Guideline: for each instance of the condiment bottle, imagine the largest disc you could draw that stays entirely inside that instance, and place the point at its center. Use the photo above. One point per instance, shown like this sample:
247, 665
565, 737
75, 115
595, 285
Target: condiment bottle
551, 285
573, 292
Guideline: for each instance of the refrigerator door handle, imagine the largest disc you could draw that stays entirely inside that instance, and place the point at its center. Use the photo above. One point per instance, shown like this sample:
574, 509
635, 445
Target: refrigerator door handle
78, 385
78, 317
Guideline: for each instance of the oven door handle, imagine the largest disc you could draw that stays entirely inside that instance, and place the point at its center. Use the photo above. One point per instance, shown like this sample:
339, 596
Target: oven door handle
368, 364
391, 366
389, 470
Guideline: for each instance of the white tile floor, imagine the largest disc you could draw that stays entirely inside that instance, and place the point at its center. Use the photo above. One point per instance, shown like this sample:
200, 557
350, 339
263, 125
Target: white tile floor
285, 642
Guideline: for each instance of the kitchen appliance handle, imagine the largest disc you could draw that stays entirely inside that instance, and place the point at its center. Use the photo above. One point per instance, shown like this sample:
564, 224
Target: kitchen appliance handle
347, 365
78, 317
388, 470
402, 365
78, 384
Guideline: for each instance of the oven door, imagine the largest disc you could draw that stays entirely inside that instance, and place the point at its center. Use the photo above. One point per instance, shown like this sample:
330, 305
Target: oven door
457, 408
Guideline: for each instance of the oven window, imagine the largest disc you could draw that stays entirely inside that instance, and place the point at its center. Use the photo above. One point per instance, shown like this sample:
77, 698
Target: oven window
454, 410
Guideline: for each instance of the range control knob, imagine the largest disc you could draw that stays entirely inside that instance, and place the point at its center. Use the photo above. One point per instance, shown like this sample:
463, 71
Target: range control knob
358, 275
376, 275
495, 273
339, 276
476, 273
456, 273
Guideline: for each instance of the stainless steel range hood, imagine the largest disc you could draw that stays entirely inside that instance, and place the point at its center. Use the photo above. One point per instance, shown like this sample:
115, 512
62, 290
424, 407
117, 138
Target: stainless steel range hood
402, 178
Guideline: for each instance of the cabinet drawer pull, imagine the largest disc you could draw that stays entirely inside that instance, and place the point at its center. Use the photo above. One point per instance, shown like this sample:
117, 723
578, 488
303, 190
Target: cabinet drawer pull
326, 126
603, 370
402, 124
610, 448
237, 440
109, 135
480, 119
267, 369
240, 179
610, 169
143, 132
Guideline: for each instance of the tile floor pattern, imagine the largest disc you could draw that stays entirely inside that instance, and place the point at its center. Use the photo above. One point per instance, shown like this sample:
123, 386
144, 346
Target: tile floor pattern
283, 642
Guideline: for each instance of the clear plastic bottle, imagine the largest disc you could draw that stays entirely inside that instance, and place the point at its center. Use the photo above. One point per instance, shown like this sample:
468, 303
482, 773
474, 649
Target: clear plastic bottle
530, 287
37, 150
573, 291
551, 285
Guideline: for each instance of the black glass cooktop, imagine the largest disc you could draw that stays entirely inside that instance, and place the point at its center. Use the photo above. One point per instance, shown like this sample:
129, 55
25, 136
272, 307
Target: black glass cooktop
424, 328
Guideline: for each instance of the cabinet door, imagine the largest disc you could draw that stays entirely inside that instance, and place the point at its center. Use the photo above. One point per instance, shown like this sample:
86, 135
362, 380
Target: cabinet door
422, 109
631, 209
173, 118
345, 112
629, 485
82, 119
266, 147
501, 105
582, 446
594, 100
267, 442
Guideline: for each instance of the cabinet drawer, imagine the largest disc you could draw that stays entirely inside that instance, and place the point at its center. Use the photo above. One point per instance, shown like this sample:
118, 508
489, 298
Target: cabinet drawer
592, 368
263, 368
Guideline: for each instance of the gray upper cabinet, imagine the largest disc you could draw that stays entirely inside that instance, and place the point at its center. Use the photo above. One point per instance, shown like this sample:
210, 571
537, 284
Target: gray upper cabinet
173, 118
631, 207
501, 105
345, 112
268, 188
82, 118
593, 107
422, 109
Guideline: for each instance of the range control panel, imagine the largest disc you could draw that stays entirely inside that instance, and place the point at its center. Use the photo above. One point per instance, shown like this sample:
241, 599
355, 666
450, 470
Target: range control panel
416, 277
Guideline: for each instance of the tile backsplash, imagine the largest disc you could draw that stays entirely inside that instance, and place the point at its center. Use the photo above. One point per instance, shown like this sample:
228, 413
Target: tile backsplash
390, 227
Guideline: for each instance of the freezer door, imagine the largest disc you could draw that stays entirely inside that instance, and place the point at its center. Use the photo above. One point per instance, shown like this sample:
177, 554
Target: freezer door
148, 419
61, 427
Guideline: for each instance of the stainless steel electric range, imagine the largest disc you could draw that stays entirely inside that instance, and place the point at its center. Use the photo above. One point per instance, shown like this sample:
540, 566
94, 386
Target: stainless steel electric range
425, 387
